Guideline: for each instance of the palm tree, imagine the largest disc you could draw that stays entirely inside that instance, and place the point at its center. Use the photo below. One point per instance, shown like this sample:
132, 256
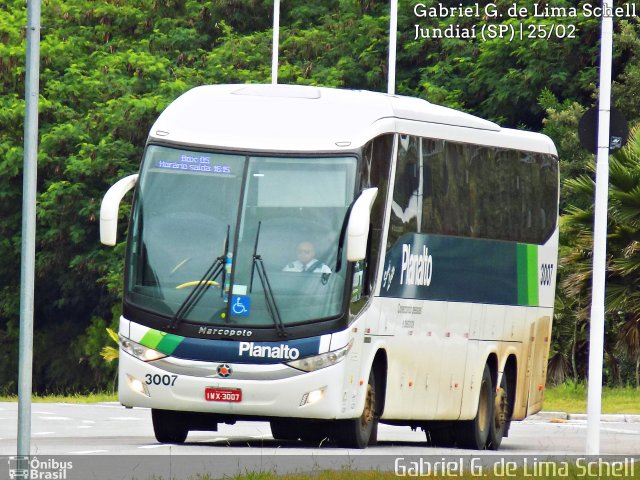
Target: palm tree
622, 342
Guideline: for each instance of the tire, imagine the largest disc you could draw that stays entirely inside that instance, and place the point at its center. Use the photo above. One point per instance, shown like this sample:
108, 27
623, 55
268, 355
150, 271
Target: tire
501, 415
169, 427
315, 431
359, 432
474, 433
284, 430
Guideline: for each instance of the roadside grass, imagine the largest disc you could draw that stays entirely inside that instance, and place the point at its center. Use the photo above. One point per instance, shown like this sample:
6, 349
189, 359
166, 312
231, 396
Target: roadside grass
321, 475
76, 398
572, 398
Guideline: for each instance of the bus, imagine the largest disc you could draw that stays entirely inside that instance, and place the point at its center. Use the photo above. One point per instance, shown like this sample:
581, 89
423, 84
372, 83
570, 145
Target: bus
434, 241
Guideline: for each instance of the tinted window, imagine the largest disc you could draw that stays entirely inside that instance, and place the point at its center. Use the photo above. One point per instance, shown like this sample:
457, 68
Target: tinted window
473, 191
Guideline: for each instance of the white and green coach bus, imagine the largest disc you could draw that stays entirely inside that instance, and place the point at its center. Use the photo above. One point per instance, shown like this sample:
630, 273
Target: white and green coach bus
434, 236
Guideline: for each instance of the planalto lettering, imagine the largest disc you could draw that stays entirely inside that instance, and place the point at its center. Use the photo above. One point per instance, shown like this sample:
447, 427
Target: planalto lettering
265, 351
417, 269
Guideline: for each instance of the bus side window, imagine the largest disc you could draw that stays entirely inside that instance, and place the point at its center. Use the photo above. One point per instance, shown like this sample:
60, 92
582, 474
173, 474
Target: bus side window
406, 216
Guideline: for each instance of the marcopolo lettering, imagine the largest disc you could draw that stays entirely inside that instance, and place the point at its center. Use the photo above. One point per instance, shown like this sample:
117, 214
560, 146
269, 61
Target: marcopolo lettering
284, 352
416, 268
225, 332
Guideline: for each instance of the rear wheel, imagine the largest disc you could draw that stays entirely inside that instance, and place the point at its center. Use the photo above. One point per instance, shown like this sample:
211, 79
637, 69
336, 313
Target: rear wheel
474, 433
169, 427
500, 415
359, 432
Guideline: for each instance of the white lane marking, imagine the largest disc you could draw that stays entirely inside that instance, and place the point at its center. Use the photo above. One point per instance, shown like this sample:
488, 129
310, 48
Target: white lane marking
88, 421
44, 413
85, 452
43, 433
55, 418
126, 419
154, 446
84, 426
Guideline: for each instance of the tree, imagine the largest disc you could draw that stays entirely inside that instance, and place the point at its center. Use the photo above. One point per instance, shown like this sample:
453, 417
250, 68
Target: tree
623, 259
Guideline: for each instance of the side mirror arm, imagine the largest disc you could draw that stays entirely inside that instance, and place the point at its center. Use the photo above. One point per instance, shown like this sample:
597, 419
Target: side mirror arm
109, 208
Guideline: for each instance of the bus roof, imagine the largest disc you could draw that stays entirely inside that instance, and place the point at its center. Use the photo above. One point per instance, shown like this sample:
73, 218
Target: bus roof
297, 118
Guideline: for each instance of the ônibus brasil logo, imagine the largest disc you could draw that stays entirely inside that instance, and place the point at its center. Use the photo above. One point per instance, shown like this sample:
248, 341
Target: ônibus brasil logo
416, 269
284, 352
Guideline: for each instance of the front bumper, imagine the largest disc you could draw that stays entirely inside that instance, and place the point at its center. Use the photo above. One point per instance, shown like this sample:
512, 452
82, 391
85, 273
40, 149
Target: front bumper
267, 390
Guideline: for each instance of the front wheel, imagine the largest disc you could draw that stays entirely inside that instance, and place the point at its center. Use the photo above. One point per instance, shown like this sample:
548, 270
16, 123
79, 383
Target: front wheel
360, 432
474, 433
169, 427
284, 429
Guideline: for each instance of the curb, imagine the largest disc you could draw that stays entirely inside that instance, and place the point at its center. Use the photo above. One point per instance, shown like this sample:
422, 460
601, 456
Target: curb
560, 417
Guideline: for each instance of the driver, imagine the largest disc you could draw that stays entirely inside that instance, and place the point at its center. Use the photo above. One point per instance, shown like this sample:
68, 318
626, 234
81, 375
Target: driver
306, 261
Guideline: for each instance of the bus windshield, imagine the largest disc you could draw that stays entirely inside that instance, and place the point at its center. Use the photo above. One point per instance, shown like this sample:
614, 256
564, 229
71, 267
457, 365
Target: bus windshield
233, 215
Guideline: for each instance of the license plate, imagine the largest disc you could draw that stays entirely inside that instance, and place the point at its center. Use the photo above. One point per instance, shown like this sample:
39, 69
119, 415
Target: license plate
233, 395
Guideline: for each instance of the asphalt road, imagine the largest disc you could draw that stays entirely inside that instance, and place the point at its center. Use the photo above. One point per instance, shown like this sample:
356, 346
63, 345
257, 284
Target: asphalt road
92, 434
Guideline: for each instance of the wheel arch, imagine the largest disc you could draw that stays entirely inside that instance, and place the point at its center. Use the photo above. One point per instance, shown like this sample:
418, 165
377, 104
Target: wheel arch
485, 355
511, 371
379, 367
492, 361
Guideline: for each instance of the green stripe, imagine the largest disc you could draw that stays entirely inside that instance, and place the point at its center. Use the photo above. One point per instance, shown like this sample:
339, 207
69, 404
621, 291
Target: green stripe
151, 339
163, 342
532, 274
169, 343
527, 265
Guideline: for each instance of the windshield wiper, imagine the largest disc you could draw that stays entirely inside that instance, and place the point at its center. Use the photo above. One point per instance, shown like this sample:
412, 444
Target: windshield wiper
270, 300
201, 287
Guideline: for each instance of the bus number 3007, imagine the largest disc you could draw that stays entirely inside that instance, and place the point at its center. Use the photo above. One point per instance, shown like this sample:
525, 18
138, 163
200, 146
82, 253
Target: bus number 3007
546, 273
166, 380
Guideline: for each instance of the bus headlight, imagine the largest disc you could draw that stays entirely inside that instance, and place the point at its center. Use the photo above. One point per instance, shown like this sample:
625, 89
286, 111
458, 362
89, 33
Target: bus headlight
310, 364
140, 351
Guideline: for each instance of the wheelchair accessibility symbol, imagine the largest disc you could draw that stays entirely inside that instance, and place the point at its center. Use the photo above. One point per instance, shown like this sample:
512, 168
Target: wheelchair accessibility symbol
240, 305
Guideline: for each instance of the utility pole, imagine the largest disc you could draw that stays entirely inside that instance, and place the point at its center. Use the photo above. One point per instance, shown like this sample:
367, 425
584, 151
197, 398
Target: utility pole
27, 265
276, 42
393, 33
596, 330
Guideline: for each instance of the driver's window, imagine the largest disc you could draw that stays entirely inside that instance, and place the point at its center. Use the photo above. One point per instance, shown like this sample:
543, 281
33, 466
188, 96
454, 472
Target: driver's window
374, 172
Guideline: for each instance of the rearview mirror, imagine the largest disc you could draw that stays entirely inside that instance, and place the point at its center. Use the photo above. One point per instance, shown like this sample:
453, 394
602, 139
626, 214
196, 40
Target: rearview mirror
358, 227
109, 208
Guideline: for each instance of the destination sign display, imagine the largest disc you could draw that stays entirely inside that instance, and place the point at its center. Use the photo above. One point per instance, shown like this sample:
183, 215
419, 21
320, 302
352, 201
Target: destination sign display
193, 163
